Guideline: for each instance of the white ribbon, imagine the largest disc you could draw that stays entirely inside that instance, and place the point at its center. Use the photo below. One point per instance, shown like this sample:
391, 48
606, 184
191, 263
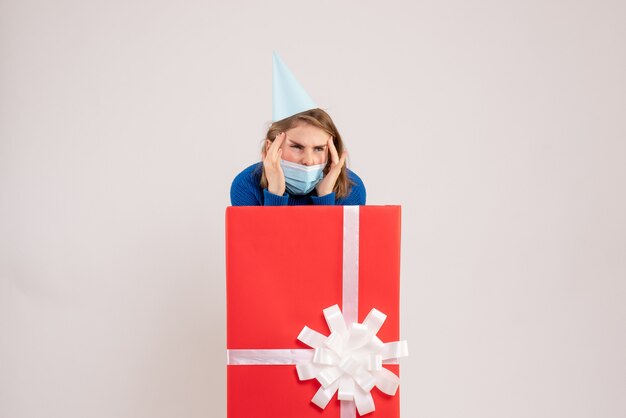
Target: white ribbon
267, 357
350, 302
349, 360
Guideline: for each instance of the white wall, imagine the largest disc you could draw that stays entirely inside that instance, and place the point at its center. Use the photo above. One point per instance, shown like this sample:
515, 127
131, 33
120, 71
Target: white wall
498, 125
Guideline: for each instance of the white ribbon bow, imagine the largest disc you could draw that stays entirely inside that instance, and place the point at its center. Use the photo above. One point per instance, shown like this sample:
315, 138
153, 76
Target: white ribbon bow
350, 360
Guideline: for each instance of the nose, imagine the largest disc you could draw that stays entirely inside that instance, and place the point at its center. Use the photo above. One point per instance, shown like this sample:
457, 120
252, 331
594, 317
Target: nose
307, 158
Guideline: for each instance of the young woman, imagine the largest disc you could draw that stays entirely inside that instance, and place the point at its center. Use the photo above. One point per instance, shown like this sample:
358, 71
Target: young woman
303, 163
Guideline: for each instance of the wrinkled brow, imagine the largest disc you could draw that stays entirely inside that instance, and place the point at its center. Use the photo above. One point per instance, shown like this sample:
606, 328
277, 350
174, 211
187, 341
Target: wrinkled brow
324, 145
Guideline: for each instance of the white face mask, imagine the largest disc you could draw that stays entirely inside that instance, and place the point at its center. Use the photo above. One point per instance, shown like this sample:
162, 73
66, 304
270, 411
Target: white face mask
301, 179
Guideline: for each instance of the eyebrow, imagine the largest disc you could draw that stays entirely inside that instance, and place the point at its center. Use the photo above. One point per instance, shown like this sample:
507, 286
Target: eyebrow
314, 146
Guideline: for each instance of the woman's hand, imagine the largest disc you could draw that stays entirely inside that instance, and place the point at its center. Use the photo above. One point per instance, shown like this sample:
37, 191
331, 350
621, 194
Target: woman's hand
327, 184
271, 164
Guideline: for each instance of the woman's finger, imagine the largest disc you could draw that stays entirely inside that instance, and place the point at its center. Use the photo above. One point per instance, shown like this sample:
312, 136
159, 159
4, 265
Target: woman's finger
334, 172
342, 161
280, 138
276, 143
334, 157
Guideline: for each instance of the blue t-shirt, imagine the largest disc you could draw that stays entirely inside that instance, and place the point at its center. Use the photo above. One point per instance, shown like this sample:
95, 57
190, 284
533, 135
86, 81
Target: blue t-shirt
246, 191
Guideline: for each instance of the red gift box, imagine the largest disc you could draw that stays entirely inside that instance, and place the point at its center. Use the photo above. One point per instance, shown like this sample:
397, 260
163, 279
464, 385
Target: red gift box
284, 265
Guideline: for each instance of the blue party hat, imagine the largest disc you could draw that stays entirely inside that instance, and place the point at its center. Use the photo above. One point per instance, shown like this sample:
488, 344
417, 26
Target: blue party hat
288, 96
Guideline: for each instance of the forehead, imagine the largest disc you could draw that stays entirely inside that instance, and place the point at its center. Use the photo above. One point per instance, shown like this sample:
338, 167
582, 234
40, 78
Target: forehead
305, 134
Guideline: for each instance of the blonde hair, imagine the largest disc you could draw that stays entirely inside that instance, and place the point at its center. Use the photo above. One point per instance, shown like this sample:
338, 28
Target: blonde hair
320, 119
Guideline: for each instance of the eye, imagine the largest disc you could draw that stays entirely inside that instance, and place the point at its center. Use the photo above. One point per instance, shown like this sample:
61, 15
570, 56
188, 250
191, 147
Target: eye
319, 148
296, 146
